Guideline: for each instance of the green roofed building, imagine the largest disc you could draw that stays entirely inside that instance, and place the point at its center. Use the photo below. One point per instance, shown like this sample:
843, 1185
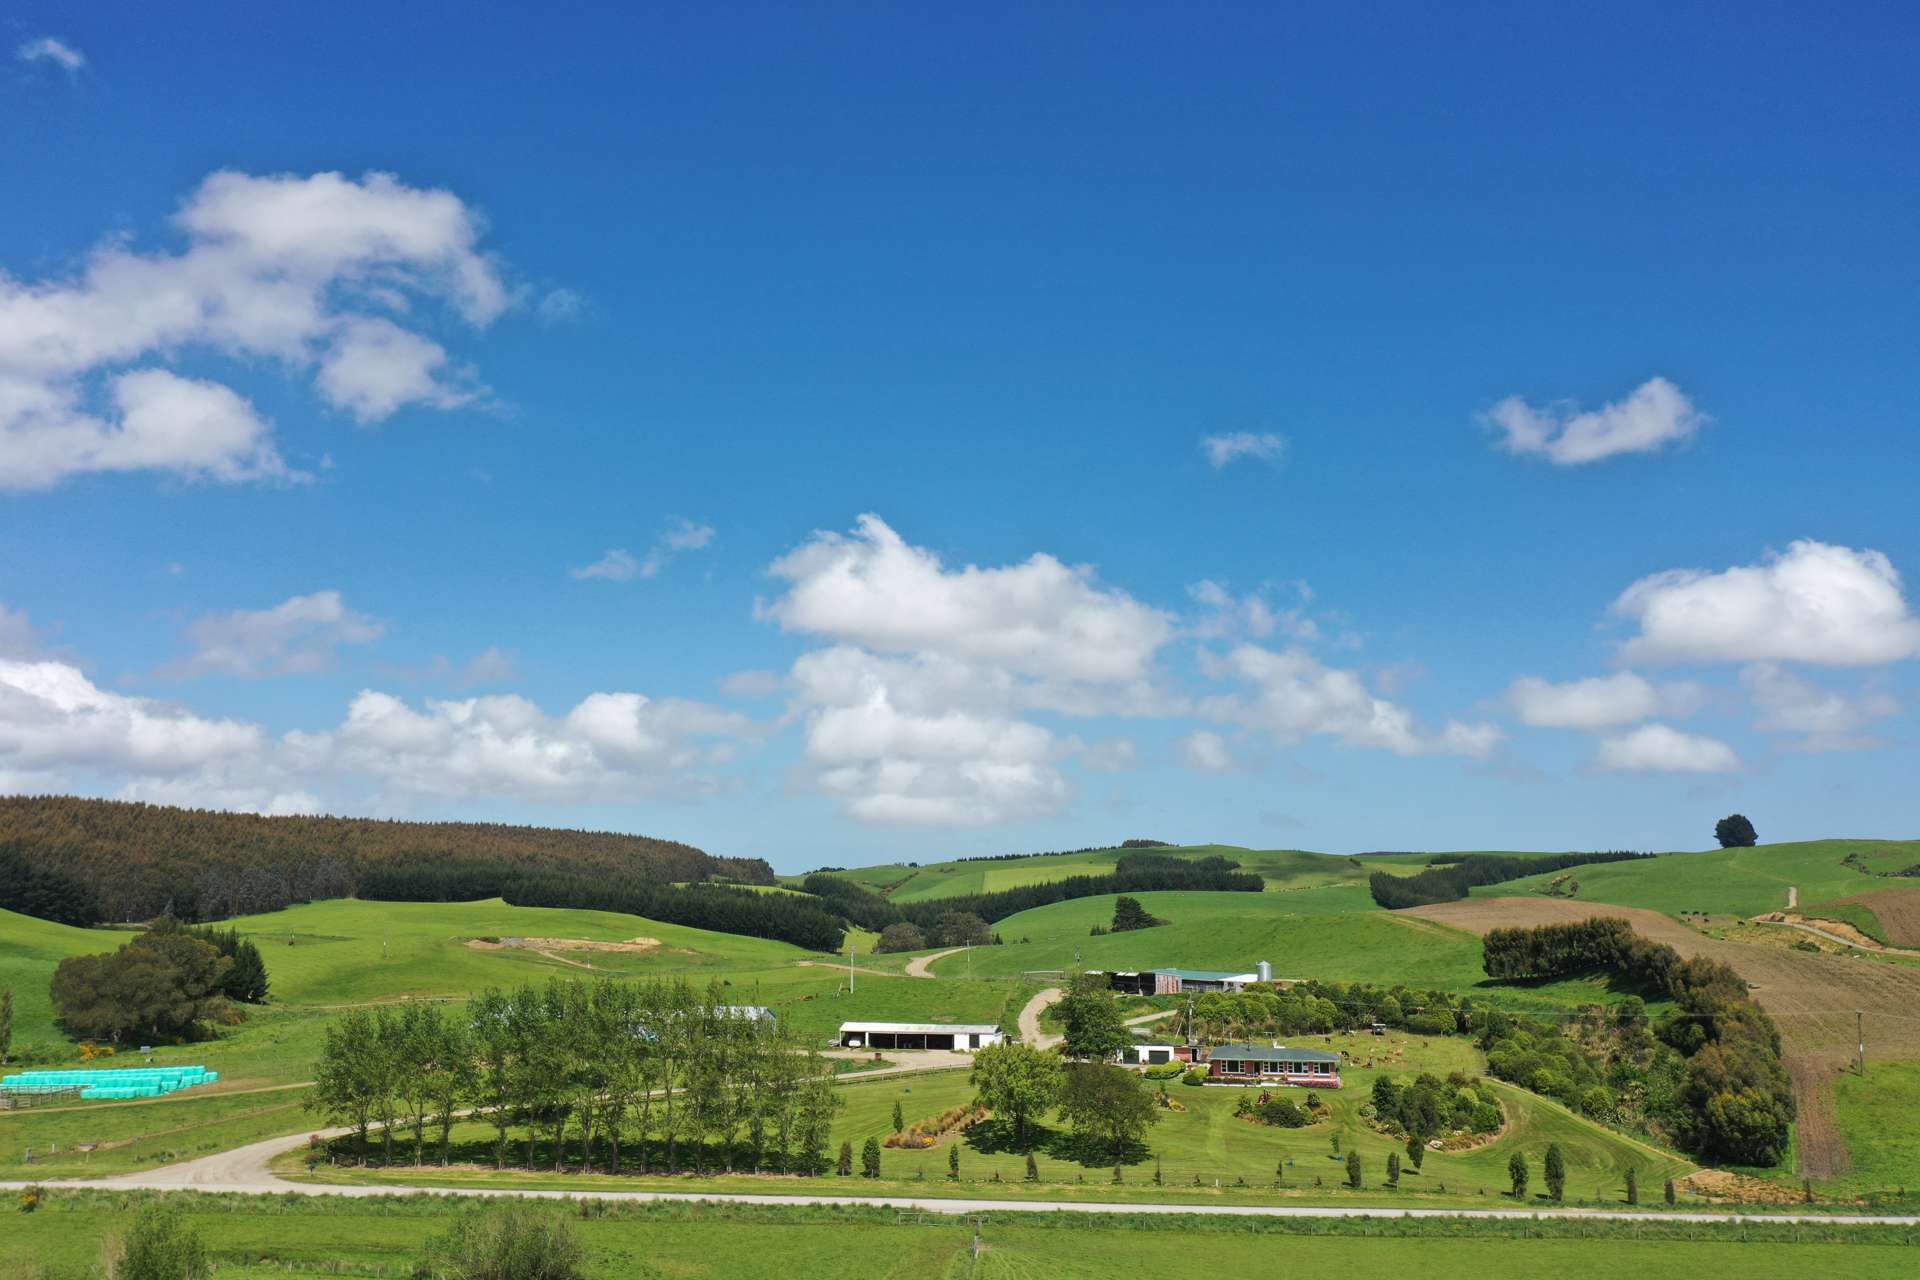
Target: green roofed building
1173, 982
1273, 1064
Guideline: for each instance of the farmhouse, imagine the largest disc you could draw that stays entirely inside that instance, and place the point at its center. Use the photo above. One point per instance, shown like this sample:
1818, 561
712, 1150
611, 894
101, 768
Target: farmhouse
963, 1037
1274, 1064
1173, 982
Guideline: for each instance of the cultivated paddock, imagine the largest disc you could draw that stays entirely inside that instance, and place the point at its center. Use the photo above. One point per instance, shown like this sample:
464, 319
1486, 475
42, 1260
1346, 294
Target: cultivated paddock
1812, 997
1898, 911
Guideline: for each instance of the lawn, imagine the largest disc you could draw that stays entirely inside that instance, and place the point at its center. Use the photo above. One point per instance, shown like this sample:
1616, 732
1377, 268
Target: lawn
255, 1237
1203, 1153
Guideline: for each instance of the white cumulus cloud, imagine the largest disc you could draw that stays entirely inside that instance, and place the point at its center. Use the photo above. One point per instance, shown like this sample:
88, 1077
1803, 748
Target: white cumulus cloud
616, 565
1293, 695
1814, 603
306, 272
1599, 702
52, 717
1037, 618
298, 636
1655, 415
1659, 748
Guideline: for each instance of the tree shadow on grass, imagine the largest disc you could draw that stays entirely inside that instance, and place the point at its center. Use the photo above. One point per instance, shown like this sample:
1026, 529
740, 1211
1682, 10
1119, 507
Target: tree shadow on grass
1094, 1152
996, 1136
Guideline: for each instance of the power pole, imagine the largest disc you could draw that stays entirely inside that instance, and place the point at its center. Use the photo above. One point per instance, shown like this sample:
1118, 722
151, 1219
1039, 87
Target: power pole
1860, 1034
849, 965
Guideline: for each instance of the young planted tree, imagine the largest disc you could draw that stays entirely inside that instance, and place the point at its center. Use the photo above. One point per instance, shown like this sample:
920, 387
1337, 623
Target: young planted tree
844, 1166
899, 1117
1393, 1168
1416, 1152
953, 1161
507, 1242
1671, 1193
1517, 1170
1353, 1169
1015, 1081
870, 1158
159, 1246
1033, 1168
1556, 1173
1633, 1185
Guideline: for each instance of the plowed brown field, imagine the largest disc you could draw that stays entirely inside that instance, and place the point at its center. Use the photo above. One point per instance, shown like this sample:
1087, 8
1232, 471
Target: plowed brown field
1898, 911
1812, 997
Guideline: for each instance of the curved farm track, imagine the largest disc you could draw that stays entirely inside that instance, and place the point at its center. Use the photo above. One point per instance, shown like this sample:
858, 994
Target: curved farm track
1811, 997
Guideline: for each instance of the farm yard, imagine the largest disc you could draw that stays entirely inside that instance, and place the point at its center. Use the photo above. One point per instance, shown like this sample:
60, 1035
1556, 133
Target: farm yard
1312, 922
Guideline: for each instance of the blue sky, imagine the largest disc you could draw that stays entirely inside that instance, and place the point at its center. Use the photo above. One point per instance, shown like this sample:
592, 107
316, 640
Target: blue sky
1308, 392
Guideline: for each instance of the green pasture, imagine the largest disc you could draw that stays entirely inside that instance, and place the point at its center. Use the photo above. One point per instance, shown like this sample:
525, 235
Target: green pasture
251, 1237
1876, 1114
1202, 1151
1745, 882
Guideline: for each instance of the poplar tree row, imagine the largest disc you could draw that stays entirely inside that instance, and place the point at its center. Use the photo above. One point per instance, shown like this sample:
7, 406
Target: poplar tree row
619, 1076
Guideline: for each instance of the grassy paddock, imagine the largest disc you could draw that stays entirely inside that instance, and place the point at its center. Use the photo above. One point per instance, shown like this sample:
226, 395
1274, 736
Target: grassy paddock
385, 1236
1205, 1143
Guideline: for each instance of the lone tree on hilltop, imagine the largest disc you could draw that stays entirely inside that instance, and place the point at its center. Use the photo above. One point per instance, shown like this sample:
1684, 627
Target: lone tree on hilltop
1735, 832
1128, 915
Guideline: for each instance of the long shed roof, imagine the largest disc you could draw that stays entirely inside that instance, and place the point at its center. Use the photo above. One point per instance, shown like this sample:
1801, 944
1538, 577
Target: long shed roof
922, 1028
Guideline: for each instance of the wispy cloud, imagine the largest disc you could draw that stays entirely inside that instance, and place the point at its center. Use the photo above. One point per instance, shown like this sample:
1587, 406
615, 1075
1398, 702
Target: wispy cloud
620, 565
1655, 415
58, 52
1227, 449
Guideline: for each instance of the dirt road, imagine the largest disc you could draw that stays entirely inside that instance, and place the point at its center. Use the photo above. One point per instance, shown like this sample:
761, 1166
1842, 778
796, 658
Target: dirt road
1030, 1032
917, 967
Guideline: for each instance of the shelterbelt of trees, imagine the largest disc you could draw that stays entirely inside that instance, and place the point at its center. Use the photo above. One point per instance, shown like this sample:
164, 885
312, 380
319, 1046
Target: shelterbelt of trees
785, 917
1736, 1099
643, 1075
1133, 873
1449, 879
142, 860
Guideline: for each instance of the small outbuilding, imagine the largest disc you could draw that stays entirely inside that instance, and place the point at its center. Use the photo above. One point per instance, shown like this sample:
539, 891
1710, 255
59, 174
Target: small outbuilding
960, 1037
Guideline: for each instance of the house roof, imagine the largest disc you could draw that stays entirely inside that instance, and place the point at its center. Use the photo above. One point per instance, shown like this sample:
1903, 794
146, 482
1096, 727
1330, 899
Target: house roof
1270, 1053
922, 1028
1209, 975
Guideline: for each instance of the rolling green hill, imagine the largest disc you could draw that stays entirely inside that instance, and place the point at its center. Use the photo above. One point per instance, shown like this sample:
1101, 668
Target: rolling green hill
1743, 882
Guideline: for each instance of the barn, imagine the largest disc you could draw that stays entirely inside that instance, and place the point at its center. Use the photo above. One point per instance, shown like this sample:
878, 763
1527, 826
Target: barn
961, 1037
1173, 982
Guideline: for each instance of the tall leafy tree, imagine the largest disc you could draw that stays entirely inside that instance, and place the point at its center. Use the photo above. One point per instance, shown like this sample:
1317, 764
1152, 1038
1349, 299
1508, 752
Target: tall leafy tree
159, 987
1517, 1172
1094, 1029
1016, 1081
1109, 1104
1735, 831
